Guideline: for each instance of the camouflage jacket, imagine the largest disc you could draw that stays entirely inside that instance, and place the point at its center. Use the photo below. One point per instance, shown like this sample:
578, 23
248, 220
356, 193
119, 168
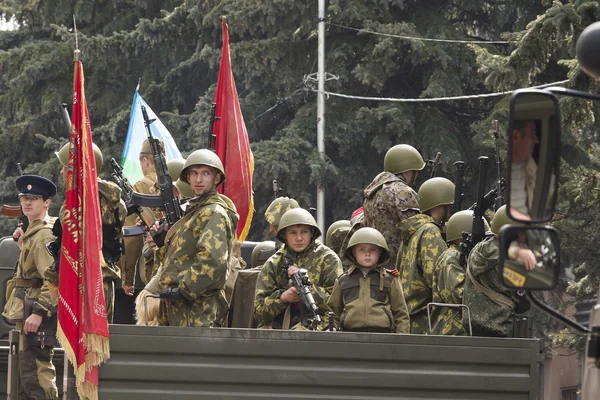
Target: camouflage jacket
488, 317
323, 267
34, 261
389, 201
422, 246
134, 244
369, 302
197, 253
448, 286
113, 212
346, 263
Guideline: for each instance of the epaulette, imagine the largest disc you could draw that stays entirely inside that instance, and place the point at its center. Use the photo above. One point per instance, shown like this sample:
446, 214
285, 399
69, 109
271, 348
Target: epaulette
394, 272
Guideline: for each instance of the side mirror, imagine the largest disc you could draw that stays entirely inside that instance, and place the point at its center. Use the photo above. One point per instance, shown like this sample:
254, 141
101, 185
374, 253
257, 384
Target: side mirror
529, 257
533, 155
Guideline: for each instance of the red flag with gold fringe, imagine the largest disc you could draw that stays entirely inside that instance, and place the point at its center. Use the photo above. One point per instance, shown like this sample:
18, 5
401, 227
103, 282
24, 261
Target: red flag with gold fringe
82, 323
232, 144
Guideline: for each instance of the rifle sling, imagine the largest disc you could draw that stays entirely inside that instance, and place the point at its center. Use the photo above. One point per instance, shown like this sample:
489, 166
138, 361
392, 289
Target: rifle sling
496, 297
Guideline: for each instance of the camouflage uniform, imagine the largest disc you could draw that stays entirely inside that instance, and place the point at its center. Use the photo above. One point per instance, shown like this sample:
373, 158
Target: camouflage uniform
388, 201
358, 223
338, 236
422, 246
134, 244
113, 212
448, 287
369, 302
488, 317
197, 252
38, 375
323, 267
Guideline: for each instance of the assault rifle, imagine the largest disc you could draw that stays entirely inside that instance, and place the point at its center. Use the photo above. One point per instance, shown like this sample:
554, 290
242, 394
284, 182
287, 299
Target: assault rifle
458, 185
433, 165
212, 138
499, 201
166, 200
478, 231
143, 213
276, 189
303, 286
491, 197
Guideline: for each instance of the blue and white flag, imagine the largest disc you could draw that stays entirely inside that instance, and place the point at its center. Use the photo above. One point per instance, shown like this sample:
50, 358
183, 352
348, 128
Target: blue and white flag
136, 134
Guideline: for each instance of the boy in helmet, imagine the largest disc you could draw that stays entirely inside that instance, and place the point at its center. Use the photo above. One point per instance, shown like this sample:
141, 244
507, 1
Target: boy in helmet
492, 306
390, 199
449, 277
422, 245
277, 304
369, 298
197, 249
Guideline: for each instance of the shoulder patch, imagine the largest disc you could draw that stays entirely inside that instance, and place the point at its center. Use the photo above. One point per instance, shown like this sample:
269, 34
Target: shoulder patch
394, 272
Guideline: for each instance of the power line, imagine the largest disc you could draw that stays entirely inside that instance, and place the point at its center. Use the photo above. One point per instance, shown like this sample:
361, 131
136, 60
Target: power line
430, 100
424, 39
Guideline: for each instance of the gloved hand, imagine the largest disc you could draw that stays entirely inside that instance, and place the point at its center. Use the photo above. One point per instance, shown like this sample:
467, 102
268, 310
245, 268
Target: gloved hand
172, 294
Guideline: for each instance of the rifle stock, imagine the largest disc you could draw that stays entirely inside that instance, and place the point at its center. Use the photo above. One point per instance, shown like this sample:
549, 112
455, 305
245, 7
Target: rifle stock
302, 284
11, 211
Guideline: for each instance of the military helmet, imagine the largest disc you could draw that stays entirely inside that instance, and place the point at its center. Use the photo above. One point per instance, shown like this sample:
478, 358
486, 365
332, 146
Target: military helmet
175, 166
434, 192
277, 208
262, 252
184, 189
333, 227
297, 216
500, 219
63, 155
337, 238
202, 157
402, 158
460, 222
370, 236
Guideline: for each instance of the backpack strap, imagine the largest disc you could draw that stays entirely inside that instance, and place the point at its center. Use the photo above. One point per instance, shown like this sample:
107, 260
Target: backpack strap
496, 297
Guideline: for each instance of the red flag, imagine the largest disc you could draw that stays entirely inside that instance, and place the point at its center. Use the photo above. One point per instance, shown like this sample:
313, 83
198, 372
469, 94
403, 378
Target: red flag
232, 144
82, 323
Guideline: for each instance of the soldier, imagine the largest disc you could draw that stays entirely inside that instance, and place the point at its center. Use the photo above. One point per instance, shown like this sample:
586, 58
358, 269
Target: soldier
276, 304
260, 250
31, 304
389, 199
275, 211
113, 212
197, 251
369, 298
449, 277
422, 245
336, 233
492, 306
134, 245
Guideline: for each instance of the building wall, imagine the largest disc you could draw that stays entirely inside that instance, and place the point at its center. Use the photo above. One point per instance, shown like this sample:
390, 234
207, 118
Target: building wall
560, 372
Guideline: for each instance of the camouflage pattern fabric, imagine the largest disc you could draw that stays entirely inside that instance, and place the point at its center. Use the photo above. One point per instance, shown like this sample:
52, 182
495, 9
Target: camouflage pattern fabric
196, 259
346, 263
421, 248
487, 316
37, 374
448, 287
369, 302
277, 208
133, 245
323, 267
389, 201
337, 238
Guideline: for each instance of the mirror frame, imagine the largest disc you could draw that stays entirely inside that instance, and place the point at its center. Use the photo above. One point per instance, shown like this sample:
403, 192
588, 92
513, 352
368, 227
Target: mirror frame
554, 140
507, 229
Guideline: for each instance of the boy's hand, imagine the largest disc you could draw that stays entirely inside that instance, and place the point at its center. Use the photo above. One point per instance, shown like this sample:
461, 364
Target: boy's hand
292, 270
290, 296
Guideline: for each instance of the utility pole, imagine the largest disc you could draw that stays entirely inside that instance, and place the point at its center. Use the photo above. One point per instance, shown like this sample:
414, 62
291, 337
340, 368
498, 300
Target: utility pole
321, 112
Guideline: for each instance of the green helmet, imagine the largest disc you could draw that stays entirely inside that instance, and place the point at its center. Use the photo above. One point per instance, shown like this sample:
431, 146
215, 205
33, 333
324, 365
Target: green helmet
202, 157
262, 252
370, 236
434, 192
184, 189
461, 222
500, 219
297, 216
336, 240
333, 227
402, 158
175, 166
277, 208
63, 155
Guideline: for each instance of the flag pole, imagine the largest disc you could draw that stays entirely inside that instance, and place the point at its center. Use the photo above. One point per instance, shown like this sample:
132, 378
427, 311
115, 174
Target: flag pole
321, 112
